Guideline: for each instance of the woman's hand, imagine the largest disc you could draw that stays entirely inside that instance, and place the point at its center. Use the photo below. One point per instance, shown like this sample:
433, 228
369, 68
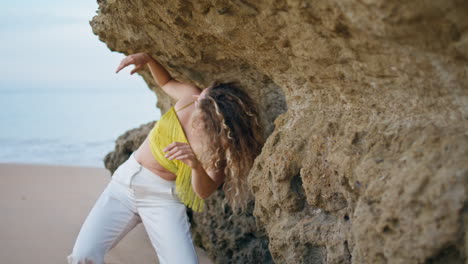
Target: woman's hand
139, 59
183, 152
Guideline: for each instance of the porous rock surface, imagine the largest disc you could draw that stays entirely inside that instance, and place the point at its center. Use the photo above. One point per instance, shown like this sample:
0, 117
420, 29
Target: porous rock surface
365, 105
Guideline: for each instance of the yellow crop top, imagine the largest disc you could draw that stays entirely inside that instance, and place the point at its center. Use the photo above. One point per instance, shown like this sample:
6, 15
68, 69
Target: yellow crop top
166, 131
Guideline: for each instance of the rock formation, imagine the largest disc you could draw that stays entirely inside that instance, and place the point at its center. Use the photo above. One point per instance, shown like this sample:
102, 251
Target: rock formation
365, 104
226, 238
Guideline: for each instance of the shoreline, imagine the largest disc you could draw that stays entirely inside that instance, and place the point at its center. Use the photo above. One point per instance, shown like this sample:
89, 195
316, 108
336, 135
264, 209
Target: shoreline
18, 164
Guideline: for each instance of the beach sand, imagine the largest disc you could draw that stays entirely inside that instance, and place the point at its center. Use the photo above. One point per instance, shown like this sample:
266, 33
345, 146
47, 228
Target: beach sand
43, 208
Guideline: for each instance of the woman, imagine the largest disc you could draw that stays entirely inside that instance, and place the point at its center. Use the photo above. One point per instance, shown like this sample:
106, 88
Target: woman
212, 138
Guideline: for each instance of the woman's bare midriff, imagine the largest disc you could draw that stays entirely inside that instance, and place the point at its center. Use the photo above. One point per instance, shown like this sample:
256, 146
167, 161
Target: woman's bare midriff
144, 156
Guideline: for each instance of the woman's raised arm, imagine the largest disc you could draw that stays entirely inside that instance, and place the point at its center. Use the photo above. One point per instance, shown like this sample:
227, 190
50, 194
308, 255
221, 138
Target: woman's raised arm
173, 88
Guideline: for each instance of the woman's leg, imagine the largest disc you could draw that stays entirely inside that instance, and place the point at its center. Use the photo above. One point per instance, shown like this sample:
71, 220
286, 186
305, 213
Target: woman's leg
164, 218
107, 223
169, 231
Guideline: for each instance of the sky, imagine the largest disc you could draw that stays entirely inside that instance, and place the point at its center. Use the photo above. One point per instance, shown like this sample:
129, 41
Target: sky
50, 44
61, 101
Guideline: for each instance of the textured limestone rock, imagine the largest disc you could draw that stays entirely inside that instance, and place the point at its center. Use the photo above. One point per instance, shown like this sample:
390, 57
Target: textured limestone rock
229, 238
366, 108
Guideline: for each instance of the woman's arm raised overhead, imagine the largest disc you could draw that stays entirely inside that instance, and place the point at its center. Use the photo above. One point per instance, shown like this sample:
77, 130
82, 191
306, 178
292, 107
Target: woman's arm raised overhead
163, 78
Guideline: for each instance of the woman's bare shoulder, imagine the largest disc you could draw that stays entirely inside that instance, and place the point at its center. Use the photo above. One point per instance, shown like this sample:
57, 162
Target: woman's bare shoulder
184, 100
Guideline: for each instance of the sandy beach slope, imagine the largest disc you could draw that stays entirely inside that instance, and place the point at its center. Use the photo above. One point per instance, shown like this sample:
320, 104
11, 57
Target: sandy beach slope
43, 207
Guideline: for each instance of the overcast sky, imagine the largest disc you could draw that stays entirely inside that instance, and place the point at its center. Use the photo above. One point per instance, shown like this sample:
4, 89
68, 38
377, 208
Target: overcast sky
50, 44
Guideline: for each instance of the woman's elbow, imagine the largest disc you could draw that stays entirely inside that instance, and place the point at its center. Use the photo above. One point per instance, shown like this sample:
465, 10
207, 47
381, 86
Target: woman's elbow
203, 195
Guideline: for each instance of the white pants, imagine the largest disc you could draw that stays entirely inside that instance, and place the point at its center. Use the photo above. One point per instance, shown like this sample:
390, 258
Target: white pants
135, 195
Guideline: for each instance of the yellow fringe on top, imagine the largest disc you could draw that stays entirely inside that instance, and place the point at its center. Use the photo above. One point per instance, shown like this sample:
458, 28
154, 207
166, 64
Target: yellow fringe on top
166, 131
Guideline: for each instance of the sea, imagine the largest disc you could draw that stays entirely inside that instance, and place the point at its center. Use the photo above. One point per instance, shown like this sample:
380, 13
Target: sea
72, 127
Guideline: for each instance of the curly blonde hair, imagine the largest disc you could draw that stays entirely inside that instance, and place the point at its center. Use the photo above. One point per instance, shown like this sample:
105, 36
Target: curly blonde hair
232, 137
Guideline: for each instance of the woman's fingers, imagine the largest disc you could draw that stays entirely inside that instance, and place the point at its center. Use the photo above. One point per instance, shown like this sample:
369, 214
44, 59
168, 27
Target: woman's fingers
136, 69
130, 59
181, 151
182, 155
122, 65
176, 148
174, 145
176, 152
119, 68
188, 159
169, 157
170, 146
